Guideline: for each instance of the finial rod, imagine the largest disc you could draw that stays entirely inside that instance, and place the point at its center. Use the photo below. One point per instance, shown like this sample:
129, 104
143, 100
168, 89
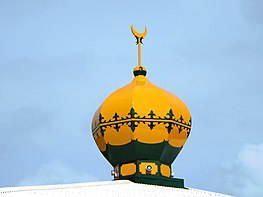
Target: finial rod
139, 37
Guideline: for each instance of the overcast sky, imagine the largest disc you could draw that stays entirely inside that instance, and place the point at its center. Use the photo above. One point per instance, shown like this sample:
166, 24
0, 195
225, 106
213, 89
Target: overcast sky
60, 59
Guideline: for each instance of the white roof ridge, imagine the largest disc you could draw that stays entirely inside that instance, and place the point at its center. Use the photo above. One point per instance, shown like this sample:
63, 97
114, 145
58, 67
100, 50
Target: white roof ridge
102, 188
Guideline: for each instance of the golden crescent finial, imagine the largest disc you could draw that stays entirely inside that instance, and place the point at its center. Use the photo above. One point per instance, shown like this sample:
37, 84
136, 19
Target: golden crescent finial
137, 34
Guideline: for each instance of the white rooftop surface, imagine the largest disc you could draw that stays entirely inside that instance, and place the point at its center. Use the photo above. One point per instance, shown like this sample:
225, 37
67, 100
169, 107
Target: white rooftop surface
104, 188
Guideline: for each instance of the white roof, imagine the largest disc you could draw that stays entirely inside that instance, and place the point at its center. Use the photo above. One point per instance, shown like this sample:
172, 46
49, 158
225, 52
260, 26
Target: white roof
104, 188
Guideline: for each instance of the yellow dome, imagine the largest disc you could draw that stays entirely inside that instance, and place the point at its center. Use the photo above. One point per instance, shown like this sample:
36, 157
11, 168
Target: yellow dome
142, 112
150, 106
142, 127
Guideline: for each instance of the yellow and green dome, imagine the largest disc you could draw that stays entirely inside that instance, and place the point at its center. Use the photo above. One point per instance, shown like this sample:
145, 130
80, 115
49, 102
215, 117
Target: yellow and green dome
140, 127
141, 115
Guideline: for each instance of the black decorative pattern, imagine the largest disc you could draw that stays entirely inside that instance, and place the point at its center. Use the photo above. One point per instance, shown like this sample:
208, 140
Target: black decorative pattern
133, 120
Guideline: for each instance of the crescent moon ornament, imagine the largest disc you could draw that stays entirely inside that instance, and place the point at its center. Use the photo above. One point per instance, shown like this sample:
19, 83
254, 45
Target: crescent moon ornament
139, 36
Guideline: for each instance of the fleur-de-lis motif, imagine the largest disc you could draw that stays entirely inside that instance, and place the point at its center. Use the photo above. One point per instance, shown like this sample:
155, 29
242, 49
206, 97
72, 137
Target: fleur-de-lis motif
133, 119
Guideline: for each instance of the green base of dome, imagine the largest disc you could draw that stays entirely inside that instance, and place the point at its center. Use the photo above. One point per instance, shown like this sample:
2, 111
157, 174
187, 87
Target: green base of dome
148, 172
135, 150
156, 180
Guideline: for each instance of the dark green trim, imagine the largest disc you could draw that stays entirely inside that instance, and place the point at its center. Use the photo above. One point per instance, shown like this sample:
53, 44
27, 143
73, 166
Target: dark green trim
155, 180
135, 150
139, 72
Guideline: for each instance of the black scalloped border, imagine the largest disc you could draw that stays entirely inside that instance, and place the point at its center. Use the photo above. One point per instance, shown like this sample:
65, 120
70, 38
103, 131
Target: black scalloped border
151, 120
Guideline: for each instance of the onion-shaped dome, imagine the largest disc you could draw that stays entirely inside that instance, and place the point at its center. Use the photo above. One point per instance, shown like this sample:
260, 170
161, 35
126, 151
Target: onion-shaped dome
141, 121
141, 128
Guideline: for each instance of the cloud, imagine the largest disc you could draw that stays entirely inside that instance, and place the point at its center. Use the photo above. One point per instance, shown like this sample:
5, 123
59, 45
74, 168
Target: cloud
244, 176
56, 172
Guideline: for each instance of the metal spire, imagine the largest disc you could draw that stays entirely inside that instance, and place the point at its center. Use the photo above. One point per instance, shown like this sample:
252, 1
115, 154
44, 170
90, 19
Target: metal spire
139, 37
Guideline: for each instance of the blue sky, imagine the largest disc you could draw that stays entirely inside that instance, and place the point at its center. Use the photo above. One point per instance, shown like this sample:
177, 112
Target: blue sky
60, 59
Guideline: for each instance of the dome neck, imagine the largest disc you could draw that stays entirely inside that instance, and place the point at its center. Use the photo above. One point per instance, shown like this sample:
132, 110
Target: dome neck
139, 70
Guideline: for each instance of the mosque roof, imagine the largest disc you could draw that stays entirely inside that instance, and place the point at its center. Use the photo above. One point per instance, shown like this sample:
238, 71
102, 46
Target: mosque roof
122, 188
